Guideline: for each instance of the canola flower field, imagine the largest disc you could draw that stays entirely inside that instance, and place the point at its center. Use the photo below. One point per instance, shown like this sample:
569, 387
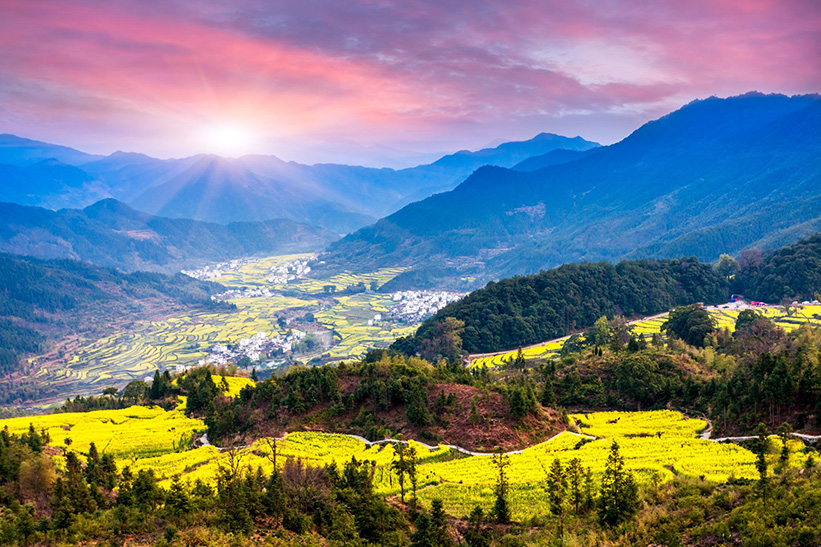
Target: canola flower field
656, 445
788, 318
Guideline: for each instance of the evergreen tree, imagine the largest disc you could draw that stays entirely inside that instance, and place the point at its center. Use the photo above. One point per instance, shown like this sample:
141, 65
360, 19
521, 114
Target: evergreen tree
423, 536
156, 387
399, 466
589, 490
177, 502
575, 476
760, 449
618, 496
439, 525
501, 508
784, 432
556, 491
410, 462
93, 470
548, 398
474, 536
690, 323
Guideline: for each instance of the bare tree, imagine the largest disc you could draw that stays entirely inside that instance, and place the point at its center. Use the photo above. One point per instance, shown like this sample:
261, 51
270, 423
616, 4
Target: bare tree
231, 465
271, 444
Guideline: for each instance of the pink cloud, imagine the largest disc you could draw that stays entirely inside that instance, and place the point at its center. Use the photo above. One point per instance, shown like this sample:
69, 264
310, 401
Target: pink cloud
151, 75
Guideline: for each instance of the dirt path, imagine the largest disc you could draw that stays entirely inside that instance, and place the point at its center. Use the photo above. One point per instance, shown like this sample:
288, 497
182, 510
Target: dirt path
428, 446
707, 434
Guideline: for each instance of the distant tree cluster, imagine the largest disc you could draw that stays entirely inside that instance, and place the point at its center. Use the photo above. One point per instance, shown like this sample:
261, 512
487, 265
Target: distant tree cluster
790, 273
524, 310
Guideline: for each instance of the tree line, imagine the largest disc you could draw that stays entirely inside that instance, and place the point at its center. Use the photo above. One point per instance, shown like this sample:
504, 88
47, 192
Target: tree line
525, 310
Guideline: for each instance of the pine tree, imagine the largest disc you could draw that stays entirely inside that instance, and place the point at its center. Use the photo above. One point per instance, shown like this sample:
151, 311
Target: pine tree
400, 467
410, 462
575, 476
93, 465
589, 490
474, 417
177, 502
556, 490
618, 498
548, 398
519, 363
422, 537
760, 449
784, 432
501, 508
156, 391
439, 525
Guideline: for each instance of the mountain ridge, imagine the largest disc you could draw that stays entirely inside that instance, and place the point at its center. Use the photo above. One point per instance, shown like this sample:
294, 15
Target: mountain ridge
109, 233
258, 187
712, 163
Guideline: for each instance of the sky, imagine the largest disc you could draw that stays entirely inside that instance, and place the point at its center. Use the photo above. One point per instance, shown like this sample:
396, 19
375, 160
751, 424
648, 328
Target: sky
381, 82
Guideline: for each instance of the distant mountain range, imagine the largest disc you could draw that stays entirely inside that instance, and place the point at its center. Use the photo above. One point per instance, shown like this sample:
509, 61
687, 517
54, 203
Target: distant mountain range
340, 198
717, 175
109, 233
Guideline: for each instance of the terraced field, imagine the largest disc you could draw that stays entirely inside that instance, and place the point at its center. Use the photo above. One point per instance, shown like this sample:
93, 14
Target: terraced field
787, 318
87, 365
656, 445
349, 318
136, 353
129, 434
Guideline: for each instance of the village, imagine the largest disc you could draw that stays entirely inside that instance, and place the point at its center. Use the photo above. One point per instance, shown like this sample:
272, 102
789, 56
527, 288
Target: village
290, 271
213, 271
416, 306
250, 350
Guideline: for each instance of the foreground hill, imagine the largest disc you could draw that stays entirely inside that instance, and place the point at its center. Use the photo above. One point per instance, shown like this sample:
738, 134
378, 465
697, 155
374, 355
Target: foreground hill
111, 234
716, 176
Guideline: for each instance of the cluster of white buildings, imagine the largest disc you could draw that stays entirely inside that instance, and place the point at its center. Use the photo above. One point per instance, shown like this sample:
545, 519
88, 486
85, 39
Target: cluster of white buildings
290, 271
213, 271
257, 346
416, 306
247, 292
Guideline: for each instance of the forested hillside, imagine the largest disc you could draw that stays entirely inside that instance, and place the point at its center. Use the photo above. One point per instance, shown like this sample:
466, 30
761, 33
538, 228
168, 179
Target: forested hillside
40, 300
718, 175
529, 309
792, 273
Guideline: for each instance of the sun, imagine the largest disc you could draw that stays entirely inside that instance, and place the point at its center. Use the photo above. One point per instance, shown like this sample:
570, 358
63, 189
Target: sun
227, 140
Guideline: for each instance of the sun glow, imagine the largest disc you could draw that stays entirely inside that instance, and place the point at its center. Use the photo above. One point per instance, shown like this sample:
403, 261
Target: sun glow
228, 140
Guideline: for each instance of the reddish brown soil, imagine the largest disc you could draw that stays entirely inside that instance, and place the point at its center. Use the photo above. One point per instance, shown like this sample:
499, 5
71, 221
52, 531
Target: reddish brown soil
495, 429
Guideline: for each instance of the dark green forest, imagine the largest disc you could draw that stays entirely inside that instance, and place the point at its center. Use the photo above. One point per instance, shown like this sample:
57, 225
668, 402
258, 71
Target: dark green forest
529, 309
